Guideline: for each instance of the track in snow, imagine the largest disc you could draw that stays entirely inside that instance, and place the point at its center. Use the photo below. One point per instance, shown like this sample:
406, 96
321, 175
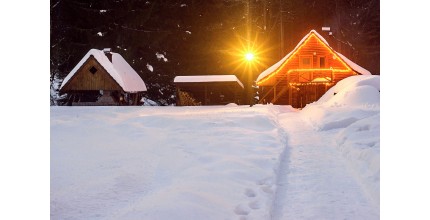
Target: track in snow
313, 180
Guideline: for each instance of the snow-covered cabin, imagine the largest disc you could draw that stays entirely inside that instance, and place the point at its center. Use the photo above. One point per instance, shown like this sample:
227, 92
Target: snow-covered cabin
306, 73
208, 90
103, 78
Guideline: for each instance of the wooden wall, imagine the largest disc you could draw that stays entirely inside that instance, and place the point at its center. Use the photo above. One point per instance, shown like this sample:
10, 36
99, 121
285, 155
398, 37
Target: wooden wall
85, 80
211, 93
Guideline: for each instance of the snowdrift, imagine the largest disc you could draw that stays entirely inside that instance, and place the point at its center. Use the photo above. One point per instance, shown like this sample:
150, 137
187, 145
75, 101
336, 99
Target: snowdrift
353, 107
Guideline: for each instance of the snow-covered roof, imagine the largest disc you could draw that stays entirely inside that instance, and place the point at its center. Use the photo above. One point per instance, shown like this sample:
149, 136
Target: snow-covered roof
119, 69
274, 67
353, 65
207, 78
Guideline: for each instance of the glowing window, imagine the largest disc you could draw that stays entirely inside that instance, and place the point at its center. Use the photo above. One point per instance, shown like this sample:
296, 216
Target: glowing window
306, 61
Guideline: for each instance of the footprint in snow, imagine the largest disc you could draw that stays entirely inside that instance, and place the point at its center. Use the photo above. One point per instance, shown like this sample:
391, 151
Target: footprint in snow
241, 210
250, 193
265, 181
267, 189
254, 205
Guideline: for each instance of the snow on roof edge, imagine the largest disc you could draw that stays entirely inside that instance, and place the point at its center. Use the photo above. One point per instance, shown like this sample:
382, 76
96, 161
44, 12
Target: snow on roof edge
353, 65
207, 78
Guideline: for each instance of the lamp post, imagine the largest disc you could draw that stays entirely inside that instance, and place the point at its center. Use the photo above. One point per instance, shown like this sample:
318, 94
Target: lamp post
249, 57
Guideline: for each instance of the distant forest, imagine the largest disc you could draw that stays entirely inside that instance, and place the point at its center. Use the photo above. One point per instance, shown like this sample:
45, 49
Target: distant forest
201, 37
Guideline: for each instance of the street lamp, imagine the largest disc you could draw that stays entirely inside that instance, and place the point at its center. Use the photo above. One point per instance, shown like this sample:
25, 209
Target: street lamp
249, 57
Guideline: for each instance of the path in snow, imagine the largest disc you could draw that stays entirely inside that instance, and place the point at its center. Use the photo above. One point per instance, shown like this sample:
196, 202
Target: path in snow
313, 180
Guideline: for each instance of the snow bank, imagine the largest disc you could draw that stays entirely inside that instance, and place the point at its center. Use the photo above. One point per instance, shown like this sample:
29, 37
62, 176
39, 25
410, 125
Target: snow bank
353, 107
360, 145
352, 82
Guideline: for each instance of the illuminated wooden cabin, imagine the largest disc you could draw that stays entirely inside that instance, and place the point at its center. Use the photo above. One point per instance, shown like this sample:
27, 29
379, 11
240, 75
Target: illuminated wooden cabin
306, 73
208, 90
103, 78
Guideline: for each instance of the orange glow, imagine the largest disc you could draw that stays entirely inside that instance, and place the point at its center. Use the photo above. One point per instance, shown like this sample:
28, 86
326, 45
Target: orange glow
305, 70
239, 55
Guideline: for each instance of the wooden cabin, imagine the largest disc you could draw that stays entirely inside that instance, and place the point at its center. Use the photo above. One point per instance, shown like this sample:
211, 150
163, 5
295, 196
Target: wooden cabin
103, 78
208, 90
306, 73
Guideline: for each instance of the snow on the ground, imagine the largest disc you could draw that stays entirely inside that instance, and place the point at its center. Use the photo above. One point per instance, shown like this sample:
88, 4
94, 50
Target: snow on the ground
220, 162
314, 180
163, 162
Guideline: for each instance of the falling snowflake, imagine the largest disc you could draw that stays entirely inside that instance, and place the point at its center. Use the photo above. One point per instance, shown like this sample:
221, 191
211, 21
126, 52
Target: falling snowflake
161, 56
150, 68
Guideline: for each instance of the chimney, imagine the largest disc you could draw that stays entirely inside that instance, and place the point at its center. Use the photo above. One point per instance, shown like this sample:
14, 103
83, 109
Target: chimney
108, 53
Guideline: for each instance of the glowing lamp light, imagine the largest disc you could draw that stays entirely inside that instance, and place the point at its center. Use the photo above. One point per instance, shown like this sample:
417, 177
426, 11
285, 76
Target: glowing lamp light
249, 56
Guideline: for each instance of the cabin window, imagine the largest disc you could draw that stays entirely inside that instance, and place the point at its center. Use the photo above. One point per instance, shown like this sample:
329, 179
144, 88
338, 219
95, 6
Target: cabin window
305, 62
322, 62
93, 70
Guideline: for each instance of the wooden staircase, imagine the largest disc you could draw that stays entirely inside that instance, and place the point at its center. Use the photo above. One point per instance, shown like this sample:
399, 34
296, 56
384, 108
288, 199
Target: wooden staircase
278, 94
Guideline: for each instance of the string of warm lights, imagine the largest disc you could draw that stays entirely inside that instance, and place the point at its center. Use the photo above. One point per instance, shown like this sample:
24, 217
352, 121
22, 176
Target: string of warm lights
317, 70
335, 56
311, 83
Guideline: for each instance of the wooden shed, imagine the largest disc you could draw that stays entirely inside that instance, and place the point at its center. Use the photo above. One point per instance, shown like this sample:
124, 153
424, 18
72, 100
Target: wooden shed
103, 78
208, 90
306, 73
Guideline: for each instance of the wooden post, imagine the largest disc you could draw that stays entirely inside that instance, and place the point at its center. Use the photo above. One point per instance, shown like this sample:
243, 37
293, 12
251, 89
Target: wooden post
306, 95
178, 96
206, 95
135, 98
274, 93
332, 76
290, 95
